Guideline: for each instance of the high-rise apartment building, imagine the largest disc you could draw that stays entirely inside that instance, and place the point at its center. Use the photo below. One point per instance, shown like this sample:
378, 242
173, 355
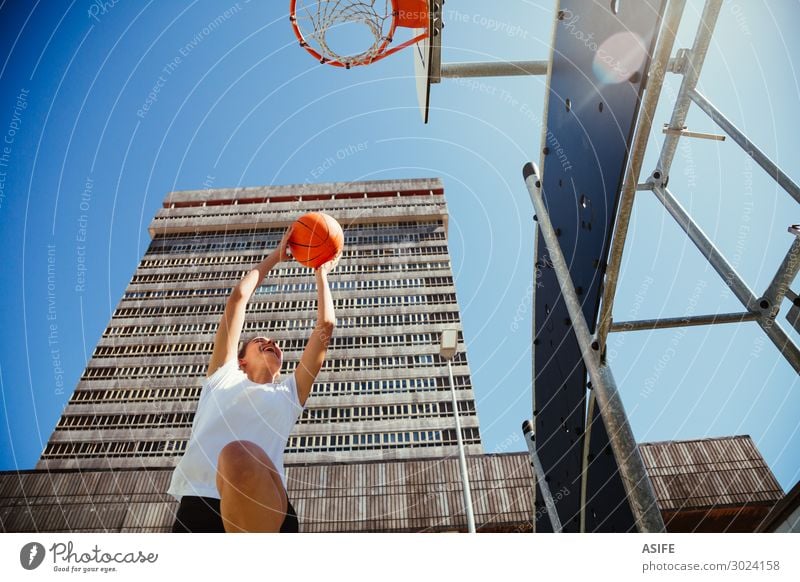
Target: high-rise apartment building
383, 392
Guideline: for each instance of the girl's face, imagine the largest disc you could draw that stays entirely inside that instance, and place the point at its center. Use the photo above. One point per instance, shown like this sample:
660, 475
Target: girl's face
262, 351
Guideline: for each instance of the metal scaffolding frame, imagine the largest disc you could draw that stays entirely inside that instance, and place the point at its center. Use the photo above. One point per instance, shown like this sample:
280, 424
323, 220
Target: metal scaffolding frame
762, 309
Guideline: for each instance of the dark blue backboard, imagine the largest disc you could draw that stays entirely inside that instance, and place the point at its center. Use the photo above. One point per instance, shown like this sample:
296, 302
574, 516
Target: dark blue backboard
601, 55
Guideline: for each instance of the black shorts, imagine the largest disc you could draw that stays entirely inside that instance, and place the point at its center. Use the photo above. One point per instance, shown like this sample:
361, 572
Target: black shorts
202, 515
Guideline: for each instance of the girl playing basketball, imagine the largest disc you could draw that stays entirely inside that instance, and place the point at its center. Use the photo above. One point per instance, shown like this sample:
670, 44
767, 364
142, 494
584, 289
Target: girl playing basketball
231, 477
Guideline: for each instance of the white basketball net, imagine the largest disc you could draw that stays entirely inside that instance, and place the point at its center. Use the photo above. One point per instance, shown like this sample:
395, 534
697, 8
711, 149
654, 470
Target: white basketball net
315, 19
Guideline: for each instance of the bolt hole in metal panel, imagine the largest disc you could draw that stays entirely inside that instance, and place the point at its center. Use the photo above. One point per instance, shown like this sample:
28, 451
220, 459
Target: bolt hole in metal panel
600, 56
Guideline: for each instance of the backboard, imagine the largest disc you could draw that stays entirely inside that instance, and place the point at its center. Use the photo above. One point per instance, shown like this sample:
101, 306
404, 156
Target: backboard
428, 58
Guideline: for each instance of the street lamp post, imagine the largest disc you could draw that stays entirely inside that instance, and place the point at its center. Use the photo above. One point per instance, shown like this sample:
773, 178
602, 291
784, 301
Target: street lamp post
447, 350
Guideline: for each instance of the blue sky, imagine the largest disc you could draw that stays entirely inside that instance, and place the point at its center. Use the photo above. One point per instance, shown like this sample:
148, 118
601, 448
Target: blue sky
244, 105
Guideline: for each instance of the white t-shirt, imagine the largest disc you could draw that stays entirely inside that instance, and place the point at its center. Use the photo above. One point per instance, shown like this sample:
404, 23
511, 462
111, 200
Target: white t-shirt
231, 408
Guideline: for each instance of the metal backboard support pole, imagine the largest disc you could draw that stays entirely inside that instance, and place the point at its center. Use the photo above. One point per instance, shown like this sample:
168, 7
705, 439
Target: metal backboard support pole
494, 69
660, 65
538, 473
636, 481
659, 68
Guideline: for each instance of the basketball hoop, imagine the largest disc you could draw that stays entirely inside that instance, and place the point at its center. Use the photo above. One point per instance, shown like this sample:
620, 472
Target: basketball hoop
313, 19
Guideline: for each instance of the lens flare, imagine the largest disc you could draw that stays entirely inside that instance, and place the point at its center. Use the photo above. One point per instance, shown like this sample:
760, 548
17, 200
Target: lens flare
619, 57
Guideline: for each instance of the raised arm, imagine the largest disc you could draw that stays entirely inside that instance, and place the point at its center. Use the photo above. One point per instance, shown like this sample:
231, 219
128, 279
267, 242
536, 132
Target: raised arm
314, 354
226, 342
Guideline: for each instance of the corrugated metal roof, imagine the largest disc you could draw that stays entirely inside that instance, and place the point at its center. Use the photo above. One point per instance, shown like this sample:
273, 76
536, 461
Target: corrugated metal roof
709, 472
417, 495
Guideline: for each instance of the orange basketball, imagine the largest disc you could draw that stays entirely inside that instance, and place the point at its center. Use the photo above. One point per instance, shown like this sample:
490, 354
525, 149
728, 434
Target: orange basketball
316, 238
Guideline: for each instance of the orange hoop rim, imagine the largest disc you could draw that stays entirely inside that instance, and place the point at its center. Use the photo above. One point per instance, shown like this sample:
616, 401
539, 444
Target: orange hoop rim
382, 52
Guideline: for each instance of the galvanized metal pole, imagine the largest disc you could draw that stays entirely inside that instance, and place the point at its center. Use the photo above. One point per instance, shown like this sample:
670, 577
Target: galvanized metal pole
740, 289
779, 286
639, 489
670, 322
748, 146
503, 68
587, 447
661, 63
655, 82
533, 338
710, 252
694, 134
494, 69
691, 74
538, 473
461, 456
